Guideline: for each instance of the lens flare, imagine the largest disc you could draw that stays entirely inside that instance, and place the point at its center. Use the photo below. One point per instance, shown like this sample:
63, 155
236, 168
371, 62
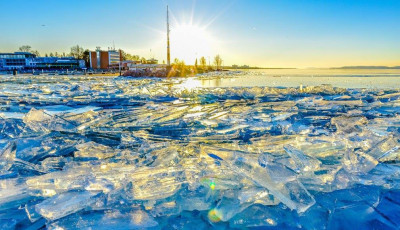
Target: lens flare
214, 216
212, 185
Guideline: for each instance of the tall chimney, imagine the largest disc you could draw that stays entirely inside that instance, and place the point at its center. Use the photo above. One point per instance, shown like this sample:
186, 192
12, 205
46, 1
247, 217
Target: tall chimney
168, 51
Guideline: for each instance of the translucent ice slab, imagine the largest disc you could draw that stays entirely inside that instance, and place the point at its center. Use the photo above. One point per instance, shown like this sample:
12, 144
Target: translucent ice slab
64, 204
292, 193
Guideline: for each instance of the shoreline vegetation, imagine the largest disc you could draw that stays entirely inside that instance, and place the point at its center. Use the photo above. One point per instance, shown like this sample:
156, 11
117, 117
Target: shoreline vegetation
178, 69
174, 71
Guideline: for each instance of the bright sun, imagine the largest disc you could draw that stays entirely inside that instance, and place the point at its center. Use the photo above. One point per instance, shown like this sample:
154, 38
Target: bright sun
189, 42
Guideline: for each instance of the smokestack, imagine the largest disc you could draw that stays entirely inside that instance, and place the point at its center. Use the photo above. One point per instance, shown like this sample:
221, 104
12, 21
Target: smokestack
168, 51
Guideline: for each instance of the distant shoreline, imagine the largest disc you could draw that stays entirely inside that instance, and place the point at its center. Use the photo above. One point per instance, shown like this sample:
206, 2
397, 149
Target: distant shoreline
366, 67
256, 68
342, 67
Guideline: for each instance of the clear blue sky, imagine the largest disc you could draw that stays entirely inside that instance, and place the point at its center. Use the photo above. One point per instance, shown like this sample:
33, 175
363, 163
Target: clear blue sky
271, 33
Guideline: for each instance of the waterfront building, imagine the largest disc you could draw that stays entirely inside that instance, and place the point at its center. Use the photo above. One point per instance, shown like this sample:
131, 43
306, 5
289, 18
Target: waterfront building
152, 61
101, 59
16, 60
58, 63
29, 61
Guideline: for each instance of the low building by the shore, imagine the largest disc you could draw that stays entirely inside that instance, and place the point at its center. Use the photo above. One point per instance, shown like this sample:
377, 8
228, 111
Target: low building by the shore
58, 63
152, 61
28, 61
16, 60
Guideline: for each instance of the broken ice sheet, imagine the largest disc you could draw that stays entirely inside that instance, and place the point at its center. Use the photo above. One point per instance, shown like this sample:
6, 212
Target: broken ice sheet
40, 121
10, 127
277, 171
13, 193
94, 150
262, 216
293, 194
391, 155
359, 162
167, 208
139, 148
12, 219
7, 156
199, 199
110, 219
157, 183
64, 204
302, 161
237, 201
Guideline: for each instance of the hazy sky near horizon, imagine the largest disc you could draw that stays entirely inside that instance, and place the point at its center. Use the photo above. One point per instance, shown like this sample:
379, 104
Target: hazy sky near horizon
268, 33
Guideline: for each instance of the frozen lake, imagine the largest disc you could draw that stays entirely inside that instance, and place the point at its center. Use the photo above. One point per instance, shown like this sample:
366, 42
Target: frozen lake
352, 78
285, 149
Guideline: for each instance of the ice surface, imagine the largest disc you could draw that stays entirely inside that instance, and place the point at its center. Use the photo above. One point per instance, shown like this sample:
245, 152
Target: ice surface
98, 152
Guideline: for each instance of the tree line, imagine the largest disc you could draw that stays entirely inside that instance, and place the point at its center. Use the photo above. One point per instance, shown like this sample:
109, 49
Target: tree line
179, 68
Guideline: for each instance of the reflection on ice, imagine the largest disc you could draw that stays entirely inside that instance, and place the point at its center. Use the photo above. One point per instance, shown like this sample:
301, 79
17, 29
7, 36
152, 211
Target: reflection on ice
122, 153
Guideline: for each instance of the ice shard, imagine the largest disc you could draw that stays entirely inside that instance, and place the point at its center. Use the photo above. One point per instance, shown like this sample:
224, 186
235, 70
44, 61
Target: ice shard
40, 121
302, 161
7, 156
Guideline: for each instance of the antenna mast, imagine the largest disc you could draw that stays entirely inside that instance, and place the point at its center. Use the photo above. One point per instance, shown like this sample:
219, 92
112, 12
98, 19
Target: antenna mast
168, 52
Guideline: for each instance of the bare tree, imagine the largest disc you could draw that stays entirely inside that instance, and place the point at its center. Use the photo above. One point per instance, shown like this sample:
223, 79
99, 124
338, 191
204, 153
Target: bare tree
86, 57
25, 48
35, 52
217, 61
77, 52
123, 55
203, 63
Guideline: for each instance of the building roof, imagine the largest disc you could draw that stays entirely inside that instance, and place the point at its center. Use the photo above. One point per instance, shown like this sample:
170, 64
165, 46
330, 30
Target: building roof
23, 53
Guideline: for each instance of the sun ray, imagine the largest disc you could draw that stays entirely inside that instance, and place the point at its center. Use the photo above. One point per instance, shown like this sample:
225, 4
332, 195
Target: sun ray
161, 32
192, 13
173, 17
209, 23
190, 42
